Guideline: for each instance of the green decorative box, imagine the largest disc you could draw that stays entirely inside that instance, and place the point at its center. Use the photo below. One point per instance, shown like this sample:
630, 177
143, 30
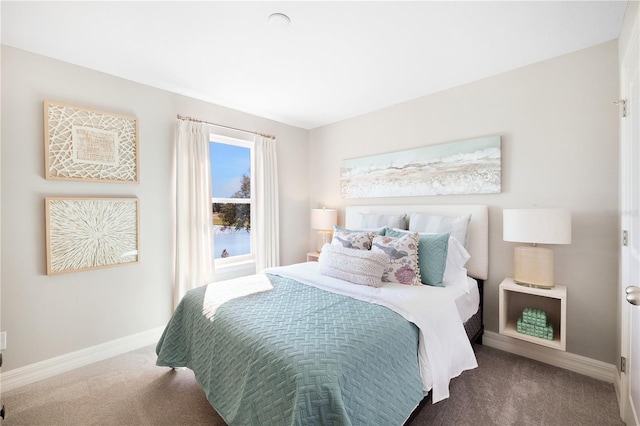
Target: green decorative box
533, 322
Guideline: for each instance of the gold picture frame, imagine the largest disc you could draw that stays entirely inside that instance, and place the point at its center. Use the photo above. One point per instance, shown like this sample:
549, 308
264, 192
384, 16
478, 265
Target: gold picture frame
91, 233
83, 144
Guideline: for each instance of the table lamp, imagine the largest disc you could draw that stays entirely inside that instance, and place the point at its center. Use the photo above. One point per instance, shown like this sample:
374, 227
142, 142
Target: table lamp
323, 221
533, 265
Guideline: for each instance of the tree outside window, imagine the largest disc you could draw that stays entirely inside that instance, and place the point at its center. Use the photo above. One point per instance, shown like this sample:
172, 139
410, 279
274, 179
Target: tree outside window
232, 199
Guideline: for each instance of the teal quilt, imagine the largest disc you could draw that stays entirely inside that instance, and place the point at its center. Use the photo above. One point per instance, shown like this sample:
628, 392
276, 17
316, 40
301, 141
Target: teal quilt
297, 355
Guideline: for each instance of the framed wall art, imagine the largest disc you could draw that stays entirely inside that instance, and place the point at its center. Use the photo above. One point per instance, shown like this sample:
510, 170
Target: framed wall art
88, 145
91, 233
471, 166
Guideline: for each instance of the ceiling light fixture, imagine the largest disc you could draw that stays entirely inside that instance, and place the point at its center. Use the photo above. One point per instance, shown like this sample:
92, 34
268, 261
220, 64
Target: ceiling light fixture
279, 20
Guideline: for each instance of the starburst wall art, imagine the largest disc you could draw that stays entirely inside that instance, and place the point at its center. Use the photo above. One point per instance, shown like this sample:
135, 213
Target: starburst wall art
91, 233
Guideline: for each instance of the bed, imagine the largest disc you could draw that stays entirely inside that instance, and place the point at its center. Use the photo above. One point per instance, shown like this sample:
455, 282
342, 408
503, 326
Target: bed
293, 346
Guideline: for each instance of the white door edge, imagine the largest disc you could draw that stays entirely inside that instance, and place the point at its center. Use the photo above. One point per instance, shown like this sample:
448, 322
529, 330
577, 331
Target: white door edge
627, 410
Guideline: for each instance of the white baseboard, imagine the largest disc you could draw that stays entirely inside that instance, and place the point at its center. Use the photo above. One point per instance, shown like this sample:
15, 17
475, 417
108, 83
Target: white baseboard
32, 373
576, 363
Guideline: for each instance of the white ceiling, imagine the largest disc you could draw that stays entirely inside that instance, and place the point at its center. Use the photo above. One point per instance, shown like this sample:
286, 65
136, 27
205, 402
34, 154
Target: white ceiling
336, 60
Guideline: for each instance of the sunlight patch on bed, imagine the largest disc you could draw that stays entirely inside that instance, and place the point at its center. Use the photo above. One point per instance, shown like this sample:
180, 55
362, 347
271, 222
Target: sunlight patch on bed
223, 291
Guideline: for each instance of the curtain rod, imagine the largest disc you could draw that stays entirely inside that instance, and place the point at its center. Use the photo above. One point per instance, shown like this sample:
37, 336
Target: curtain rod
264, 135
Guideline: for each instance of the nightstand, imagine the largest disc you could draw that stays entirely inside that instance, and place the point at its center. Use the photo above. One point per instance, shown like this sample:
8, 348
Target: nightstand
313, 256
515, 297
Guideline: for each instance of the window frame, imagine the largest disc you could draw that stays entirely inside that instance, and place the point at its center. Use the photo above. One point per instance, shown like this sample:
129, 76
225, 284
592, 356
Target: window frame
244, 258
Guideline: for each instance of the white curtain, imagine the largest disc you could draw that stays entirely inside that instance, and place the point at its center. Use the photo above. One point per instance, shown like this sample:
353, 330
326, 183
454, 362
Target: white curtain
267, 229
193, 253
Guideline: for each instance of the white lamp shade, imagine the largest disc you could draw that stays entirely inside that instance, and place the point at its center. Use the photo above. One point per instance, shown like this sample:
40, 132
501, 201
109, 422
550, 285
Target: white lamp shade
538, 226
324, 219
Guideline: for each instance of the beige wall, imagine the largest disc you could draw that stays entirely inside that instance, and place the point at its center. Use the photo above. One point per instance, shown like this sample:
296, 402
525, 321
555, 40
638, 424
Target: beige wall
630, 16
46, 316
559, 134
559, 145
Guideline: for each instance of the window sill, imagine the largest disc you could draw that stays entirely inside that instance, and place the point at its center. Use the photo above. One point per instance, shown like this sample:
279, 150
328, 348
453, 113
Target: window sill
235, 270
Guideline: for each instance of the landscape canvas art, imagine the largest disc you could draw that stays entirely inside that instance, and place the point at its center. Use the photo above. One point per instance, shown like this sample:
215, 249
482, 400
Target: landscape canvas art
466, 167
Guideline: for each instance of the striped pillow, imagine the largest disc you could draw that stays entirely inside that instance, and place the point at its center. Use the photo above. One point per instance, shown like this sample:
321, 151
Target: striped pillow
372, 220
361, 267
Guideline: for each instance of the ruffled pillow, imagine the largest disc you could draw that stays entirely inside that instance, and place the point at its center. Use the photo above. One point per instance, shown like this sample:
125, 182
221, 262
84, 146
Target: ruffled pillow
455, 273
361, 267
403, 258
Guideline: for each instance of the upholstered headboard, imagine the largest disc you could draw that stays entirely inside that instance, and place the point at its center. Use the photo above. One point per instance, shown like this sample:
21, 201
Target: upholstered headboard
477, 240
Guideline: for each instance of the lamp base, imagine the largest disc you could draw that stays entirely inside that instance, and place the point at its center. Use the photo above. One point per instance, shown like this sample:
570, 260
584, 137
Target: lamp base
533, 267
323, 238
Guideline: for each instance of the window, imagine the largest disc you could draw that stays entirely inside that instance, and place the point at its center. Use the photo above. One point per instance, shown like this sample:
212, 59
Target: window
231, 199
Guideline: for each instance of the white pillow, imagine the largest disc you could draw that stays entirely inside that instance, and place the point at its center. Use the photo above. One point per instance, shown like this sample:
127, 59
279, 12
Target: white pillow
361, 267
455, 274
434, 224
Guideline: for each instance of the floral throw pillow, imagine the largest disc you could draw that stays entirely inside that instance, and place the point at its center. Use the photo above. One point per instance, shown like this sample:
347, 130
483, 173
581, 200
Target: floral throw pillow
352, 239
403, 258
